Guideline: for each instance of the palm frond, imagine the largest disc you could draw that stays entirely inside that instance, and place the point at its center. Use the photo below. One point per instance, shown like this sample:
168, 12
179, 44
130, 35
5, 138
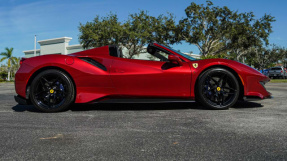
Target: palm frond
3, 54
13, 61
9, 51
2, 59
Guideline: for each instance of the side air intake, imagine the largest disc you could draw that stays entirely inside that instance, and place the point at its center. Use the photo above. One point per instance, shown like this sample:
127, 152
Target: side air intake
93, 62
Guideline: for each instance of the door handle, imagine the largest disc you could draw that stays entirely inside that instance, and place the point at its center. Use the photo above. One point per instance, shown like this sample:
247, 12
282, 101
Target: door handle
119, 71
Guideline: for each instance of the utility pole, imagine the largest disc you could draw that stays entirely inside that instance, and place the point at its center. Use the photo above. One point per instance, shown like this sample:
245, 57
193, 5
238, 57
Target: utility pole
35, 46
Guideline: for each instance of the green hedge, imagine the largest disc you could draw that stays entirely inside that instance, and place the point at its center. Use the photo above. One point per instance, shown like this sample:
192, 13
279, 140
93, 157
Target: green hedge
3, 76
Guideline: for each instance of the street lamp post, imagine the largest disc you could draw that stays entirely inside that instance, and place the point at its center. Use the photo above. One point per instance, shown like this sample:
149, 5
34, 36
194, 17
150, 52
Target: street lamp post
35, 46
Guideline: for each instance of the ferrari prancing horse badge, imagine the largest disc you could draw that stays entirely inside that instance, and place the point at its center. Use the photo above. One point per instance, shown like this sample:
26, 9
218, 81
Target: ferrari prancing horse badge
195, 65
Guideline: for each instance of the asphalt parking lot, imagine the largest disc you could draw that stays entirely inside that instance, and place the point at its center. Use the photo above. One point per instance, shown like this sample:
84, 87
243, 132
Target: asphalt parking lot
168, 131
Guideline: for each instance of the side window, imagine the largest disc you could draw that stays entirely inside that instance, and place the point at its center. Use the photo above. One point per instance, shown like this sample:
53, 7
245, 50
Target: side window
163, 54
144, 55
125, 52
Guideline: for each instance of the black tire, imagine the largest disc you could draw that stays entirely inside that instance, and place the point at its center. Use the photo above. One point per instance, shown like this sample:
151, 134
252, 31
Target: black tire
52, 91
217, 88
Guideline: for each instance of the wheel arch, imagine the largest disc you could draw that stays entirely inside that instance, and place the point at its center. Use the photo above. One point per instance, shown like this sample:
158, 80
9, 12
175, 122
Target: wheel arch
43, 69
241, 85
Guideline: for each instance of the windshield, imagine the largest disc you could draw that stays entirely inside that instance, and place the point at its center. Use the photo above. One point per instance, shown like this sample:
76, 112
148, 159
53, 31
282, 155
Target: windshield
182, 54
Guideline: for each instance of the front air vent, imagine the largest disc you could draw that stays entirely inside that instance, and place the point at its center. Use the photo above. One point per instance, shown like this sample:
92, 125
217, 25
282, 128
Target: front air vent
93, 62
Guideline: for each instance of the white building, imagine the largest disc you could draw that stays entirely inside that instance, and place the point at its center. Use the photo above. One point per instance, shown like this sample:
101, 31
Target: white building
196, 56
55, 46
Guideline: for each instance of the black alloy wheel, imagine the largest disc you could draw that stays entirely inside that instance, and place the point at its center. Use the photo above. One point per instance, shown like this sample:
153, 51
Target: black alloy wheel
52, 91
217, 88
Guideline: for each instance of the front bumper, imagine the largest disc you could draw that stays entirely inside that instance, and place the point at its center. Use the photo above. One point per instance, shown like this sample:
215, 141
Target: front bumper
255, 87
255, 98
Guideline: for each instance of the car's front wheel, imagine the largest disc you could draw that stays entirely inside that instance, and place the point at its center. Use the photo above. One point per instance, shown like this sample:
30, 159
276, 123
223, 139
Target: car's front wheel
217, 88
52, 91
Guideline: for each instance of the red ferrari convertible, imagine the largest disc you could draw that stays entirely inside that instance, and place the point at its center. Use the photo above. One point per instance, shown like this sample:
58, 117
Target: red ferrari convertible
53, 82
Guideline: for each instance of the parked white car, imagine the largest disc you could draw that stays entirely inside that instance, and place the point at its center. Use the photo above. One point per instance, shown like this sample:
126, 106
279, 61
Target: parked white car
278, 72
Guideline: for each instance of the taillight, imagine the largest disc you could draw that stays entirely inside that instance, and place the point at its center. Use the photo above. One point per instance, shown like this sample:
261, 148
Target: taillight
22, 60
281, 71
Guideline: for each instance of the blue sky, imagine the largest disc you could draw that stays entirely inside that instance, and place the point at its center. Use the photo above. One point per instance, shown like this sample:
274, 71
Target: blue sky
20, 20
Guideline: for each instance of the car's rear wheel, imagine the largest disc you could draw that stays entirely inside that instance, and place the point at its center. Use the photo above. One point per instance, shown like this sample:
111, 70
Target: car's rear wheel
217, 88
52, 91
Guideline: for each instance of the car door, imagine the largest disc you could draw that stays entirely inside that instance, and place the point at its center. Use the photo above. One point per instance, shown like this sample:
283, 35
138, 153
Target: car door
150, 78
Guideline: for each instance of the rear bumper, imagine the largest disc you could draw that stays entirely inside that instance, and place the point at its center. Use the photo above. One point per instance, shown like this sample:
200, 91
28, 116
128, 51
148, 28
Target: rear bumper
20, 100
276, 75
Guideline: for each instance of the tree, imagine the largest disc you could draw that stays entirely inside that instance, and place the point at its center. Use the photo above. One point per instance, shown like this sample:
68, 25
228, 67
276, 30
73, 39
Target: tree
284, 60
133, 34
138, 31
10, 59
16, 66
262, 58
102, 31
3, 75
218, 29
141, 29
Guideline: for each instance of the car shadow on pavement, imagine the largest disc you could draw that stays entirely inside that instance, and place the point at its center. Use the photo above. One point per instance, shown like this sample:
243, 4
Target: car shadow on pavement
136, 106
118, 107
23, 108
153, 106
246, 104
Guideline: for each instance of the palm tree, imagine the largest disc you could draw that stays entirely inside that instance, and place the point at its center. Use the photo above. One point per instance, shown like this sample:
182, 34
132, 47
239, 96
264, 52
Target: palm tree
16, 66
11, 60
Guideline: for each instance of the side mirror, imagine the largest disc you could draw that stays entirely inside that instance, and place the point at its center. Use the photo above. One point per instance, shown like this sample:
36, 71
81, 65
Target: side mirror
175, 59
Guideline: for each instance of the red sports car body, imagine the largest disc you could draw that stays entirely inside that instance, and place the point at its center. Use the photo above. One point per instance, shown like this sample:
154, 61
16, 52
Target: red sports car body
102, 74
